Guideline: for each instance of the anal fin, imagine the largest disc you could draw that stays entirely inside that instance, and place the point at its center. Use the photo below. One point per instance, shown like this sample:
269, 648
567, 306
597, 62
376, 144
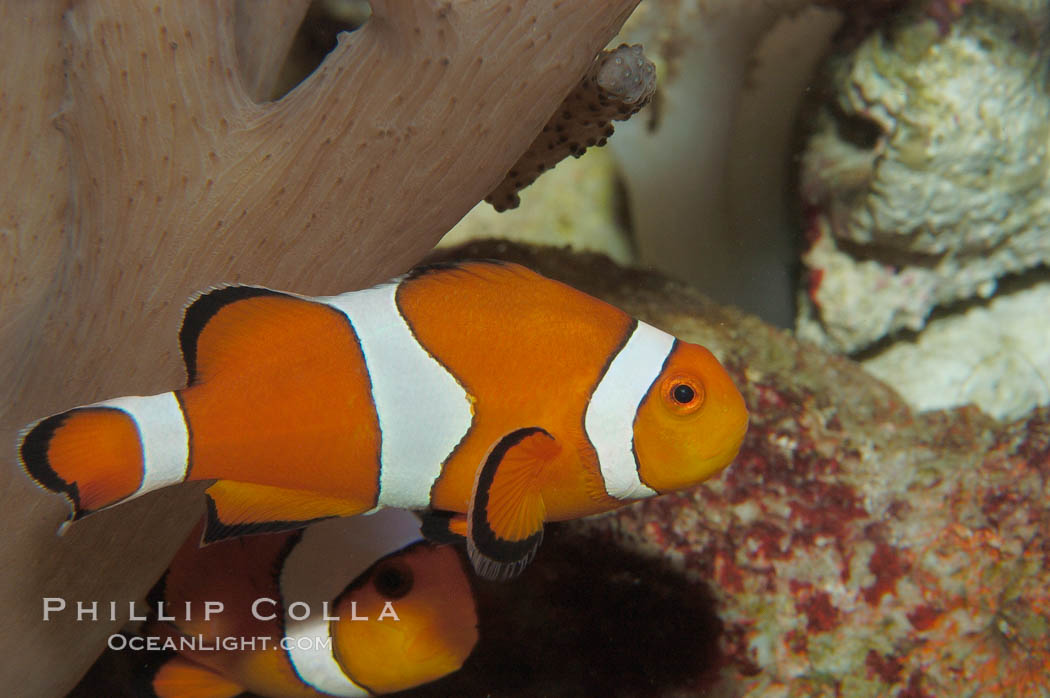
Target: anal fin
506, 513
242, 508
180, 678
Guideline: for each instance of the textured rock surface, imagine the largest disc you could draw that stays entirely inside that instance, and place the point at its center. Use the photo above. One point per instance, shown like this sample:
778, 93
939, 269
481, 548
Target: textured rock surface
854, 548
995, 355
926, 173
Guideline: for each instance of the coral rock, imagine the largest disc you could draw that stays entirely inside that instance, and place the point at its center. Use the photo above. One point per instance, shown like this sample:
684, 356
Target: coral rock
928, 168
995, 355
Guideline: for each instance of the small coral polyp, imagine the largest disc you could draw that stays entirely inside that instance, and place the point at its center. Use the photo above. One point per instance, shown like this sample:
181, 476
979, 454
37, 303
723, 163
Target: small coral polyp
618, 84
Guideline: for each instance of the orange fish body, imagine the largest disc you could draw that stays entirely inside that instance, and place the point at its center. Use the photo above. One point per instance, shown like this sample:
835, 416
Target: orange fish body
482, 392
350, 607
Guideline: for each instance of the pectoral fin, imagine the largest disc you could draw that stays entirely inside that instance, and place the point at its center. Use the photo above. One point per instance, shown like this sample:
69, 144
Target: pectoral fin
181, 678
241, 508
506, 512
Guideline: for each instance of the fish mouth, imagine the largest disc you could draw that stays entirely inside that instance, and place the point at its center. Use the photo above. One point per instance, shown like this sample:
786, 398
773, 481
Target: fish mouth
704, 469
721, 459
733, 436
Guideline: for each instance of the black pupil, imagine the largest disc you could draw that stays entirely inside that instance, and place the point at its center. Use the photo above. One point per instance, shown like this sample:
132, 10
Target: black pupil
683, 394
393, 582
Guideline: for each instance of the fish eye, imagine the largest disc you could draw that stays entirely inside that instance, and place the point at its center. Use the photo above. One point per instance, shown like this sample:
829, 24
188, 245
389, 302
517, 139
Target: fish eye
393, 580
683, 394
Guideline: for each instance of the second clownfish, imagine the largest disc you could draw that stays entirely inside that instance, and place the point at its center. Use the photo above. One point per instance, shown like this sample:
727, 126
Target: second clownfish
482, 393
348, 607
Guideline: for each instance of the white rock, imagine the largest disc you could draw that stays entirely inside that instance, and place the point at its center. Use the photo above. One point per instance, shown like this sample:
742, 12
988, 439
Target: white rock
996, 355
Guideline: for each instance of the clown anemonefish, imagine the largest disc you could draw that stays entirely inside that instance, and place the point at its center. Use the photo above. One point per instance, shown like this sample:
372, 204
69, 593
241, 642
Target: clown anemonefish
491, 396
404, 608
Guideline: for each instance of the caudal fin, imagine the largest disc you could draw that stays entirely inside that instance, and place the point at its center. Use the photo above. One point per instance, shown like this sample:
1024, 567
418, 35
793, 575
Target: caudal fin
102, 454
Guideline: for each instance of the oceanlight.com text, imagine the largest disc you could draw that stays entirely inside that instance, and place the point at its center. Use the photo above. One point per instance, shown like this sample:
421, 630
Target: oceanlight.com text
199, 643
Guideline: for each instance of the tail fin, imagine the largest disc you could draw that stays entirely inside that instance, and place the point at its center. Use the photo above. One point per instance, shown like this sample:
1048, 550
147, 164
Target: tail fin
105, 453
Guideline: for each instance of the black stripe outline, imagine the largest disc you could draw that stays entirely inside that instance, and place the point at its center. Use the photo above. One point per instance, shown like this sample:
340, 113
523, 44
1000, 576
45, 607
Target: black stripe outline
631, 328
202, 309
457, 265
436, 527
189, 436
649, 393
32, 455
371, 395
36, 464
195, 319
216, 530
470, 395
276, 570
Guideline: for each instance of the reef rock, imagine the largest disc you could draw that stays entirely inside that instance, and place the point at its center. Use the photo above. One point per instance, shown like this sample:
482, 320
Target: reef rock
926, 174
995, 354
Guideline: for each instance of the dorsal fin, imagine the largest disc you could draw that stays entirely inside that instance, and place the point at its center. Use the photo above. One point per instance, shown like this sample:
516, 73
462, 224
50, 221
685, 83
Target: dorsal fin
201, 311
476, 267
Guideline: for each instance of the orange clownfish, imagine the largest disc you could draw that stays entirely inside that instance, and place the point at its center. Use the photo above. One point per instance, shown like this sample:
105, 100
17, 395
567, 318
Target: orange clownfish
483, 393
348, 607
